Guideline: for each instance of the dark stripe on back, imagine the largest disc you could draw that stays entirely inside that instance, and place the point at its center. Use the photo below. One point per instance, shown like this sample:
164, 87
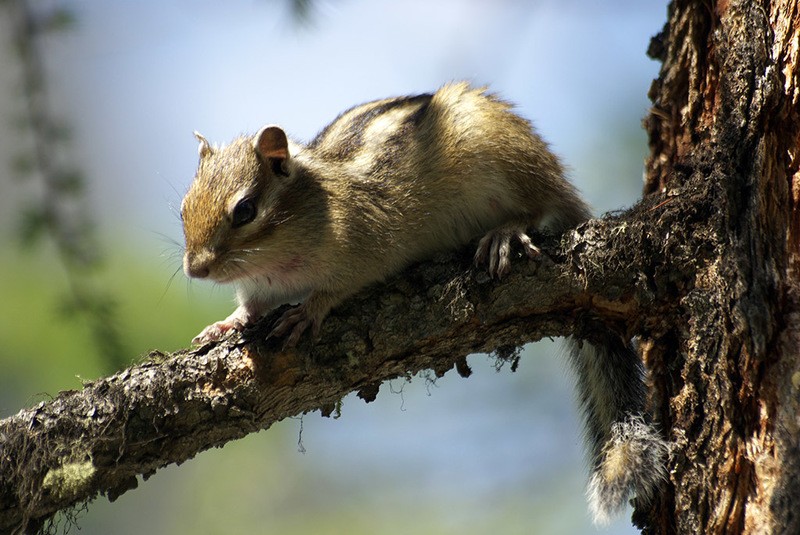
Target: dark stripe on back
353, 137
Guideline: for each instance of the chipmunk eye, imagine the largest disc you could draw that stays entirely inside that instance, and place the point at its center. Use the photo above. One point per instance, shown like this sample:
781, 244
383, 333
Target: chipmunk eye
243, 213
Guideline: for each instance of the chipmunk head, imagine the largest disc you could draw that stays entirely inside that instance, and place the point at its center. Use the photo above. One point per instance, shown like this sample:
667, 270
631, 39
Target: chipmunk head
233, 204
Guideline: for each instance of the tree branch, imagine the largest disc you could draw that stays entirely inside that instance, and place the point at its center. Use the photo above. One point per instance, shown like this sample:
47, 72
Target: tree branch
169, 408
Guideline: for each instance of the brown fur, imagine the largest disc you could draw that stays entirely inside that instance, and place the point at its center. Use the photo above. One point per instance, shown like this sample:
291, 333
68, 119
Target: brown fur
388, 183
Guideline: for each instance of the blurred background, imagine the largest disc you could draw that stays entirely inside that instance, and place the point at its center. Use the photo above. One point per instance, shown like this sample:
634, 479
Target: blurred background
98, 101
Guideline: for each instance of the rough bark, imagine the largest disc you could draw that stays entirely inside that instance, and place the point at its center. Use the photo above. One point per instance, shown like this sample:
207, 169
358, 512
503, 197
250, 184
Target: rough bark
725, 112
703, 271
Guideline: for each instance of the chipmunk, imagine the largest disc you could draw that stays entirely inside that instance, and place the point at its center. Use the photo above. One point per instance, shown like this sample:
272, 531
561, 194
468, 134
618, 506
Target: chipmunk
392, 182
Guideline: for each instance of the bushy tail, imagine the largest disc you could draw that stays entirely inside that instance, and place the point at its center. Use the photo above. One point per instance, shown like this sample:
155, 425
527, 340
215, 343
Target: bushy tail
627, 454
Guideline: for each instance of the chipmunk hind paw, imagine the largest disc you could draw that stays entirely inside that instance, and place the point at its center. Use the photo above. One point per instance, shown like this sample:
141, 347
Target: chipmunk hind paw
494, 248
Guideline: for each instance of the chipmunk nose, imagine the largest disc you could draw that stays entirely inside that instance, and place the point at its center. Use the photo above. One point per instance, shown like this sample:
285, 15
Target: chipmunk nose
196, 265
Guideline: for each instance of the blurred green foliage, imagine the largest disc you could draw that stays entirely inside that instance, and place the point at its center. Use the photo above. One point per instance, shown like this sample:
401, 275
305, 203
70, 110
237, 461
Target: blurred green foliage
39, 347
61, 210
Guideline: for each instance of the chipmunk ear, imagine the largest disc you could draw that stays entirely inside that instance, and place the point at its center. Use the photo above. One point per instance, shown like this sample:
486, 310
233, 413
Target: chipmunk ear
271, 143
205, 148
272, 147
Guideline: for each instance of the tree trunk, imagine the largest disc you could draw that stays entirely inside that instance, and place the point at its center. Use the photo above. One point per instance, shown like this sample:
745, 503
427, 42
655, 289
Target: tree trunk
703, 271
726, 367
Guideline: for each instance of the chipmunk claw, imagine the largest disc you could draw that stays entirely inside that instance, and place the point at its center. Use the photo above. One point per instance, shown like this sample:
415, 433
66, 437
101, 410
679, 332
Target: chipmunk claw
294, 321
495, 248
218, 330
